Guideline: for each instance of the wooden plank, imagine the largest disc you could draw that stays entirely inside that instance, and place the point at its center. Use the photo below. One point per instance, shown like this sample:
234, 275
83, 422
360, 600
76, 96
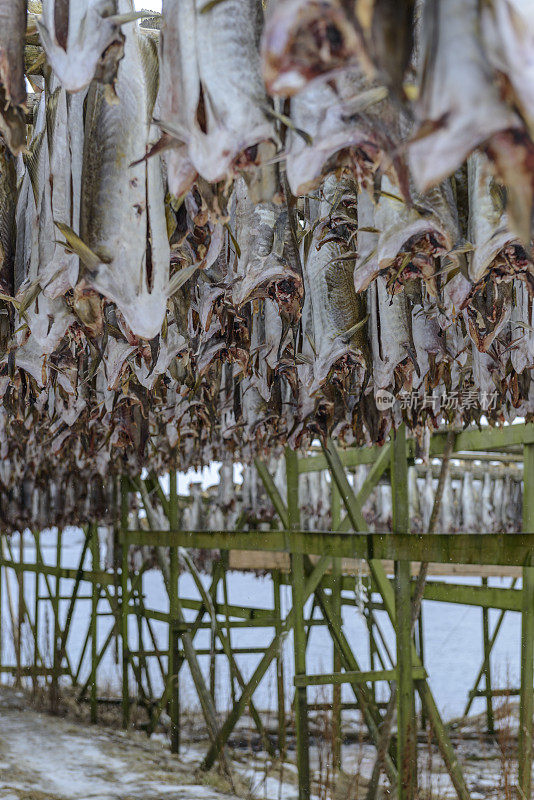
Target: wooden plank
509, 549
526, 705
257, 560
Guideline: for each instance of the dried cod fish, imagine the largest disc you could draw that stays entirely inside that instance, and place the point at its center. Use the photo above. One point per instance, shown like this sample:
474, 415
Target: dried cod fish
8, 198
12, 83
522, 329
390, 332
343, 122
304, 39
44, 320
337, 315
411, 237
260, 231
508, 28
82, 39
212, 100
58, 271
489, 228
125, 246
459, 106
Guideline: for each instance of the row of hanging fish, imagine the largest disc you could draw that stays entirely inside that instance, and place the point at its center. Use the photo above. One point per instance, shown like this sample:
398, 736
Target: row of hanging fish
223, 229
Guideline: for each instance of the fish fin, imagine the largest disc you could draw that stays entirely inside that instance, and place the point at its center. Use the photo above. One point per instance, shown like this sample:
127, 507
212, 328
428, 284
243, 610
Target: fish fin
180, 277
131, 16
165, 142
85, 254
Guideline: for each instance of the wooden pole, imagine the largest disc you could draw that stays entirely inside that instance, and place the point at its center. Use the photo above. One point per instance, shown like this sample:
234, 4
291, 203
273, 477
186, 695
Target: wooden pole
20, 614
298, 580
487, 665
281, 697
37, 583
124, 604
336, 655
406, 722
526, 706
95, 591
56, 667
174, 705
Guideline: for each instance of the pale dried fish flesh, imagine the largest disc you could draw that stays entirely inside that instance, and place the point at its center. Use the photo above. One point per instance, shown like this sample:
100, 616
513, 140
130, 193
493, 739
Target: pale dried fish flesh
212, 99
12, 82
122, 203
460, 106
304, 39
81, 38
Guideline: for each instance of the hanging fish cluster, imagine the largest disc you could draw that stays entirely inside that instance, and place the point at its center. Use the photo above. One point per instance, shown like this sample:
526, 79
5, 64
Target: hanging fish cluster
224, 229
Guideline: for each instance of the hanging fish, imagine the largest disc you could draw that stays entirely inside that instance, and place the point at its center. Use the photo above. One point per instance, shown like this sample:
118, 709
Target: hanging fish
338, 315
12, 83
496, 246
8, 199
58, 269
212, 103
508, 35
522, 329
459, 107
413, 237
305, 39
123, 240
346, 122
46, 319
82, 39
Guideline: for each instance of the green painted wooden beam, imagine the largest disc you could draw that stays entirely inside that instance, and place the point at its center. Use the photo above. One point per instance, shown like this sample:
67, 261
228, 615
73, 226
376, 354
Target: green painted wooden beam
482, 596
526, 705
508, 549
363, 676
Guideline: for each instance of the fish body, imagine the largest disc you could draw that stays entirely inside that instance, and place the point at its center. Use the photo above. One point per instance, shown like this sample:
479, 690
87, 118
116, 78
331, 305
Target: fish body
413, 236
78, 36
335, 308
47, 318
508, 29
489, 228
12, 82
459, 106
343, 123
123, 202
522, 329
60, 203
8, 199
306, 39
212, 99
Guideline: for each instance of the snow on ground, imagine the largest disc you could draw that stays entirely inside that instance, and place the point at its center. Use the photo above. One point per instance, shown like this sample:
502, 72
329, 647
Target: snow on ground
44, 757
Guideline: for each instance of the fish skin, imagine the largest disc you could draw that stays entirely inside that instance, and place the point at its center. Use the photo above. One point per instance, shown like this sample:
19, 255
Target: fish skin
306, 39
459, 106
59, 269
342, 114
89, 34
333, 305
522, 329
12, 83
47, 318
8, 199
508, 34
403, 228
212, 98
389, 327
258, 265
488, 226
122, 202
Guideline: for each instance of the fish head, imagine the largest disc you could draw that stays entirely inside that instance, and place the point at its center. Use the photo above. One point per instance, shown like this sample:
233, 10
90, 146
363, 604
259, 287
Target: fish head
304, 39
